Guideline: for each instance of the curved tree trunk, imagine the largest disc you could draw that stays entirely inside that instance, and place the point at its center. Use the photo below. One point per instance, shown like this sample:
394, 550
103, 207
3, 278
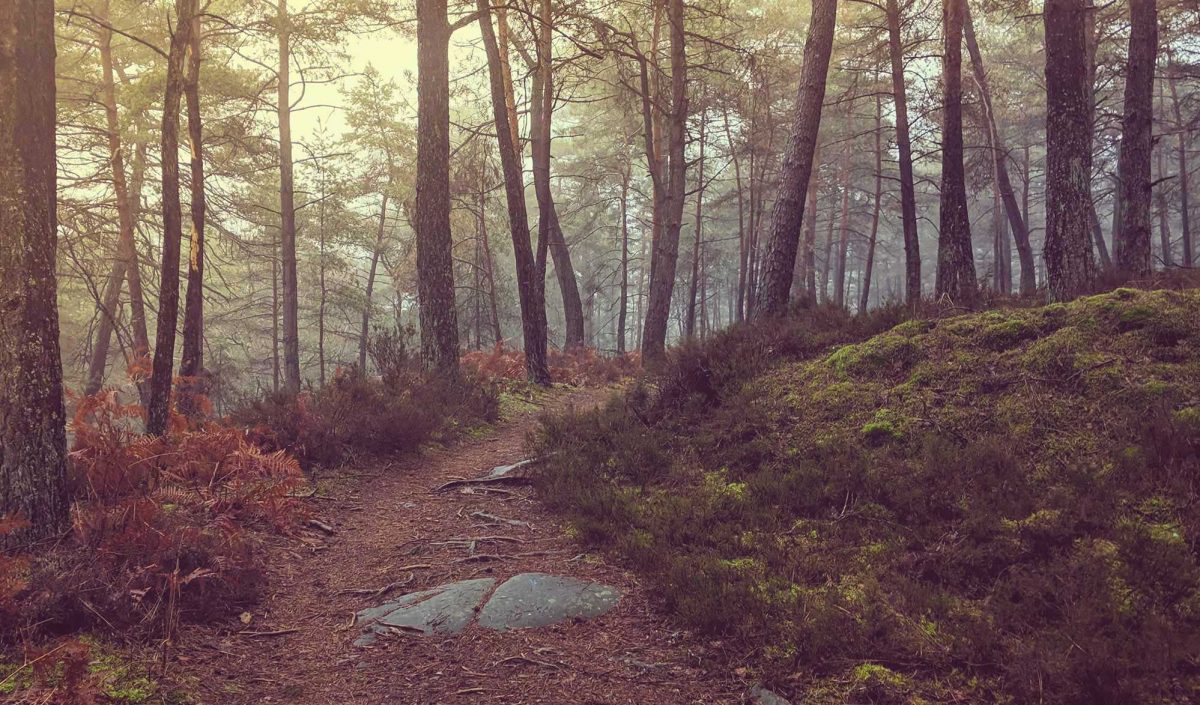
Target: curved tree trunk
533, 306
1133, 163
1020, 230
287, 209
191, 363
549, 229
159, 412
33, 461
1185, 197
908, 197
865, 299
1070, 270
698, 239
664, 254
956, 257
364, 331
788, 214
126, 266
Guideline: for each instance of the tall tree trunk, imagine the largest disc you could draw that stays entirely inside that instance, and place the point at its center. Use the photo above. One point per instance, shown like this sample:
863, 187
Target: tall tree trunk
1164, 210
435, 261
1133, 163
1093, 41
276, 367
191, 363
1020, 230
1184, 133
827, 259
810, 228
323, 283
489, 269
743, 253
698, 239
159, 412
623, 309
549, 229
665, 249
788, 214
364, 331
865, 299
1069, 267
530, 293
287, 208
840, 261
839, 265
126, 265
33, 460
908, 197
956, 256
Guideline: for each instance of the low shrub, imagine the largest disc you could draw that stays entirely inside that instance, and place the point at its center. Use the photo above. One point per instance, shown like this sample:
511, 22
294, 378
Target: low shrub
579, 367
164, 529
998, 507
359, 415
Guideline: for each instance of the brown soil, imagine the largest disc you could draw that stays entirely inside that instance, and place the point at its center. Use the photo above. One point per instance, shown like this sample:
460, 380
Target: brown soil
389, 529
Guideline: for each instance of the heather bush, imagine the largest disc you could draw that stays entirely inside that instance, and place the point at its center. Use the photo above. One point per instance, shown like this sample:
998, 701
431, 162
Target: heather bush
998, 507
359, 415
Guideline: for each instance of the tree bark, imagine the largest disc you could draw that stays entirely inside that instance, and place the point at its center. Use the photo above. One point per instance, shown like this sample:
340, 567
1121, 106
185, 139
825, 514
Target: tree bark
435, 263
698, 239
865, 299
1093, 41
1070, 270
1184, 133
33, 461
1133, 163
1164, 210
807, 250
664, 252
743, 254
788, 214
1019, 229
623, 310
191, 363
530, 293
287, 209
908, 197
549, 229
956, 257
159, 412
364, 331
126, 266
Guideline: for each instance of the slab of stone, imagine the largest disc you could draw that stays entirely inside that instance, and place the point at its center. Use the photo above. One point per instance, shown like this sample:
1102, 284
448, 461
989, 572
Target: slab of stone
762, 696
446, 609
539, 600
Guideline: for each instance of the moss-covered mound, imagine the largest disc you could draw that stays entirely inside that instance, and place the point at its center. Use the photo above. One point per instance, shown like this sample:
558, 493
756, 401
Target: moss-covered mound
1001, 507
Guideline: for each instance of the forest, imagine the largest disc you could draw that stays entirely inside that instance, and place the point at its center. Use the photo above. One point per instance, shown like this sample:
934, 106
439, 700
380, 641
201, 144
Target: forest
567, 351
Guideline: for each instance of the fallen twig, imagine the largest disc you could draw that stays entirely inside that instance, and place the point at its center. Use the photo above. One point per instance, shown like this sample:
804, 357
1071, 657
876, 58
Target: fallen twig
277, 632
501, 520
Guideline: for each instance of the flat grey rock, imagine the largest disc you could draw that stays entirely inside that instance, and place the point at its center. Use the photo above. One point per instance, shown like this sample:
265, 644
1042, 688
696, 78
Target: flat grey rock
508, 470
446, 609
762, 696
538, 600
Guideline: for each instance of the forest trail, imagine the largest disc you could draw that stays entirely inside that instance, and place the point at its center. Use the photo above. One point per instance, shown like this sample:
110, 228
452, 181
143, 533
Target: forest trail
389, 528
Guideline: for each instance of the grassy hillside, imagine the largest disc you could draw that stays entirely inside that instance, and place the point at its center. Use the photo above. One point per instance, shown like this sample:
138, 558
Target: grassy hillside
999, 507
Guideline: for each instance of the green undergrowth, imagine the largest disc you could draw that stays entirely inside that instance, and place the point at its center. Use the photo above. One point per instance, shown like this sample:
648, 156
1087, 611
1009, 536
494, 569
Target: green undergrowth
1000, 507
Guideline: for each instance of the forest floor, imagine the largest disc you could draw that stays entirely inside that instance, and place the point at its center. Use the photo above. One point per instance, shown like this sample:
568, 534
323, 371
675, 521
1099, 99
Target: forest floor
389, 527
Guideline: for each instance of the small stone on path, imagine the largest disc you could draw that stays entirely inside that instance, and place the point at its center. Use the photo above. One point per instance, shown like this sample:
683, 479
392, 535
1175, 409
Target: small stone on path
762, 696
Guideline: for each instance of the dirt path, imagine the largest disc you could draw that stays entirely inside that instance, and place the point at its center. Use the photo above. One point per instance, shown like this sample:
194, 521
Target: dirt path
388, 529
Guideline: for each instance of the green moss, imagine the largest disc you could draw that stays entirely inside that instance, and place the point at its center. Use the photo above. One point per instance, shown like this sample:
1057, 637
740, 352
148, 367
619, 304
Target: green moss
881, 354
1007, 334
885, 426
